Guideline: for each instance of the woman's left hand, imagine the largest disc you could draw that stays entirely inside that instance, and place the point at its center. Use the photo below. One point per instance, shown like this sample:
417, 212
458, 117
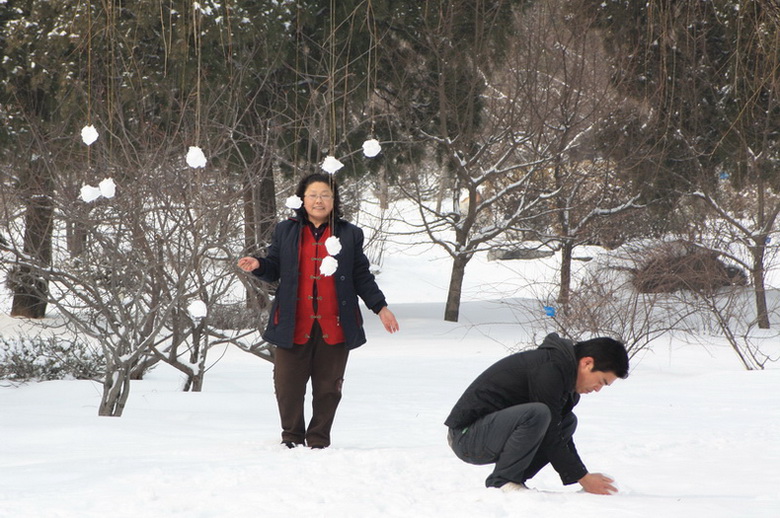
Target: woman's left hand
388, 320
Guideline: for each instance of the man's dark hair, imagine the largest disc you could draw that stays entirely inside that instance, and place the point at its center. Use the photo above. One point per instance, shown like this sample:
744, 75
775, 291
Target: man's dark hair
324, 178
608, 355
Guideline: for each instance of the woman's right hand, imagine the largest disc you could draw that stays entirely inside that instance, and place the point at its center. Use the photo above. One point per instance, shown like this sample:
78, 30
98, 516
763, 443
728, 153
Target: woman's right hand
248, 264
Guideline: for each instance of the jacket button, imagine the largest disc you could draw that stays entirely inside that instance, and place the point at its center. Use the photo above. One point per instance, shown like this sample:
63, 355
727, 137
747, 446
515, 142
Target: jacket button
343, 302
342, 278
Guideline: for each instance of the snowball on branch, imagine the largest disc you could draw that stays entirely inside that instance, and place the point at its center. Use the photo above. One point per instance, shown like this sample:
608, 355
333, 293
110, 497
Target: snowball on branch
293, 202
89, 193
107, 188
371, 148
197, 309
328, 266
331, 164
195, 157
89, 135
333, 245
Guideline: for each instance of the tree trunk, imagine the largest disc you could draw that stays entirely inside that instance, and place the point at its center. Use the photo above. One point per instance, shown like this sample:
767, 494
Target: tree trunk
265, 204
759, 286
250, 224
197, 357
116, 389
259, 222
259, 208
31, 290
76, 236
30, 294
452, 308
142, 366
564, 290
384, 191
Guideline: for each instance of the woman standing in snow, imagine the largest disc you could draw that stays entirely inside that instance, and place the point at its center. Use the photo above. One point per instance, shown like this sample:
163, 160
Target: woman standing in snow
315, 321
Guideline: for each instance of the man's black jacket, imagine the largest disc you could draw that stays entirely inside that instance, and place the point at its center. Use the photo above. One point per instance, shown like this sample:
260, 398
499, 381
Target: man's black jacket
546, 375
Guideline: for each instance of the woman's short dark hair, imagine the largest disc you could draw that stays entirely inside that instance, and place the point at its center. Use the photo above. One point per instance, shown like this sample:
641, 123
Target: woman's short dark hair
608, 355
324, 178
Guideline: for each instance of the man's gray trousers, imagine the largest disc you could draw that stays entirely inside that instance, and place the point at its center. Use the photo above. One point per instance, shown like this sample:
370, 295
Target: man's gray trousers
510, 438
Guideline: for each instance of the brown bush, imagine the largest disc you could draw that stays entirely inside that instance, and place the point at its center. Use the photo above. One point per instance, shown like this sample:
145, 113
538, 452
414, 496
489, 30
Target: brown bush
680, 265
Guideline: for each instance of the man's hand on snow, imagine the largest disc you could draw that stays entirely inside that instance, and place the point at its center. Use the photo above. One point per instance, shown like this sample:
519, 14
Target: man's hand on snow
598, 484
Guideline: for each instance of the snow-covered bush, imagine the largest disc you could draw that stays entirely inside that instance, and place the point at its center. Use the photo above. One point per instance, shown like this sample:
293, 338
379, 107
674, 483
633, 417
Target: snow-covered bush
48, 358
236, 316
604, 305
647, 288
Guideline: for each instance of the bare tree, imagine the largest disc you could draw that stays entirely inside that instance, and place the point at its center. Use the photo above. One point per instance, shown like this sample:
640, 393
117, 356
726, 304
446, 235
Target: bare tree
649, 288
439, 73
572, 100
708, 74
752, 221
462, 233
727, 313
606, 302
526, 161
30, 290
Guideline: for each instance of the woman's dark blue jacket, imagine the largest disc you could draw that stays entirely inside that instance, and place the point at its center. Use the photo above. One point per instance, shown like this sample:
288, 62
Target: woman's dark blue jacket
352, 278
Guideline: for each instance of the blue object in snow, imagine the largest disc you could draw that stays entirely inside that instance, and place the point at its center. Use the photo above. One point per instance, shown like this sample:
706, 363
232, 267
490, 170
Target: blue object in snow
724, 175
549, 311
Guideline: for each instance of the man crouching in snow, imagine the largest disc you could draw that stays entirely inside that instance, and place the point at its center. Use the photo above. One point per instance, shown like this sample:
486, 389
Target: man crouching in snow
518, 413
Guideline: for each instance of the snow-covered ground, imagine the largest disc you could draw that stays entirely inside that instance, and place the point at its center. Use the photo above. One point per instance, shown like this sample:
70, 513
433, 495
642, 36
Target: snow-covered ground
689, 433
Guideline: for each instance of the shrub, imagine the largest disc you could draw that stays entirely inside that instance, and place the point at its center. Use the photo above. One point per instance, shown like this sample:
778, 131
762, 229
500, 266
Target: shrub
48, 358
677, 265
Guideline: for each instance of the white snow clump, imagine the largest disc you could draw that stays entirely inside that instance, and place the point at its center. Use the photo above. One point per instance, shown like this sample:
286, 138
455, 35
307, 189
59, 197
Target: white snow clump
331, 164
89, 134
197, 309
328, 266
333, 245
107, 188
195, 157
89, 193
371, 148
293, 202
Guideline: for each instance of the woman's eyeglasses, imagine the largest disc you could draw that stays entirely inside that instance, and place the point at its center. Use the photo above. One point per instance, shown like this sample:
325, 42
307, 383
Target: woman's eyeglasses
323, 197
